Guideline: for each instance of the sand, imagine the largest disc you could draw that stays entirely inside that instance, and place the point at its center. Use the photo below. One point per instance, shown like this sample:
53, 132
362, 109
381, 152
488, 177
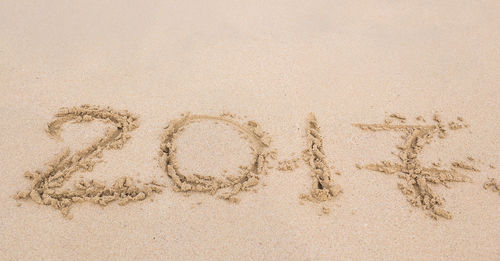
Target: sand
243, 65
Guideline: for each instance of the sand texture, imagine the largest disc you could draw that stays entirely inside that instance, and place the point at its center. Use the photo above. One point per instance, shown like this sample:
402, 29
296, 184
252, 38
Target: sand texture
265, 130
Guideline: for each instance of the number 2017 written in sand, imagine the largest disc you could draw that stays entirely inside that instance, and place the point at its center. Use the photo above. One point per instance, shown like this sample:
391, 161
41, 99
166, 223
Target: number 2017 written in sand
47, 185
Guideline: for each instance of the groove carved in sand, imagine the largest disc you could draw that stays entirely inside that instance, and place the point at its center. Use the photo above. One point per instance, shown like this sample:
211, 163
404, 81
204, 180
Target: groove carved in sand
417, 178
46, 187
230, 185
323, 187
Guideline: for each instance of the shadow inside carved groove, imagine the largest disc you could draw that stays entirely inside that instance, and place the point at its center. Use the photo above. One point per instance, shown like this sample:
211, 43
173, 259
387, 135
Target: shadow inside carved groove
323, 187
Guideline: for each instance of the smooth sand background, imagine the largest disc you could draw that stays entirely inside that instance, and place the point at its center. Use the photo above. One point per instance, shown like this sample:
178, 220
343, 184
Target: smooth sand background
347, 61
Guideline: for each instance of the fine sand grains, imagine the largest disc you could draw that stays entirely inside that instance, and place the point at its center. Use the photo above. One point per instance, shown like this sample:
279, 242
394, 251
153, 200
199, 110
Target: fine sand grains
46, 184
417, 177
323, 187
232, 185
288, 165
493, 185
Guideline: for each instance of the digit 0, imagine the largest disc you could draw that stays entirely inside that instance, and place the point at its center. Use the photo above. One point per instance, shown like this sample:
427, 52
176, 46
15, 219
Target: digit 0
229, 186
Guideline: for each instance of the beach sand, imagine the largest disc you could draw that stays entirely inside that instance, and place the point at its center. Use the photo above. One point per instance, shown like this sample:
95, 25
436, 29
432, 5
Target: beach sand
267, 61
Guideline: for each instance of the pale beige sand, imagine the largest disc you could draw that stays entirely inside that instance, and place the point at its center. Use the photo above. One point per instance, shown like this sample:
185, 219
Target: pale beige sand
350, 62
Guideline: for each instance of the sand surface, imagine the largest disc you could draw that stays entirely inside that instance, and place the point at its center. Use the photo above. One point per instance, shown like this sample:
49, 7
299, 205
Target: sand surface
273, 62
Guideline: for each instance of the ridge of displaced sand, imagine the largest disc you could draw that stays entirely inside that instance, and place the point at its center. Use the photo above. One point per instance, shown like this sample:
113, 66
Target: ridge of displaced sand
493, 185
